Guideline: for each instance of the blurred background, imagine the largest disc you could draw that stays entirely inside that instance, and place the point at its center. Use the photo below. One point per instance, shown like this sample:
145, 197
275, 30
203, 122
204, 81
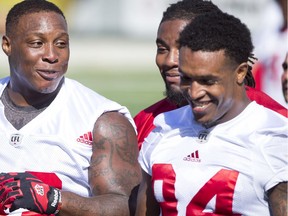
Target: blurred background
113, 45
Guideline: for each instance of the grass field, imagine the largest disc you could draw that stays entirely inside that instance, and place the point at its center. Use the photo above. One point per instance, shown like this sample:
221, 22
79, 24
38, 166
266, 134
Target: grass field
135, 90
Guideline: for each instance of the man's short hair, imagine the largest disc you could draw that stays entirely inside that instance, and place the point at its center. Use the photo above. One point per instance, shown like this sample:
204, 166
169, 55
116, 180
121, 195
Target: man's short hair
188, 9
218, 31
27, 7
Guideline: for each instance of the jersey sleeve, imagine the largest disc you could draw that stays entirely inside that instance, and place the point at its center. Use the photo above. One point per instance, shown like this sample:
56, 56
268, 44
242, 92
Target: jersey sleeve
273, 148
277, 158
150, 143
146, 152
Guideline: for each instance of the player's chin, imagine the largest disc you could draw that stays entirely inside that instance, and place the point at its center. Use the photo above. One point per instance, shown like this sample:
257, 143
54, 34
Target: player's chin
48, 86
206, 122
203, 115
47, 89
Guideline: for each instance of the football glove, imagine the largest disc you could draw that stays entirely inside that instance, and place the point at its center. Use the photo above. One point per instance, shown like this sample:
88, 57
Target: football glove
23, 190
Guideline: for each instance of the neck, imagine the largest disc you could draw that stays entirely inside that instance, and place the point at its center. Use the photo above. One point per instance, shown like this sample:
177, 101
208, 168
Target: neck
34, 99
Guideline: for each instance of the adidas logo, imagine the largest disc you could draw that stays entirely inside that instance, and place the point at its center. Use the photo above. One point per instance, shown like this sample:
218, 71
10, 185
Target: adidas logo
86, 138
193, 157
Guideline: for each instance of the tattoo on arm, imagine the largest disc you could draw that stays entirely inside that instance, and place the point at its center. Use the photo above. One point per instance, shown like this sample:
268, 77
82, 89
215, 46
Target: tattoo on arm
278, 200
115, 152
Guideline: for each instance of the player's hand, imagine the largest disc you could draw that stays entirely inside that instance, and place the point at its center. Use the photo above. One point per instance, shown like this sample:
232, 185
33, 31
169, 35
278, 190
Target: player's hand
23, 190
5, 188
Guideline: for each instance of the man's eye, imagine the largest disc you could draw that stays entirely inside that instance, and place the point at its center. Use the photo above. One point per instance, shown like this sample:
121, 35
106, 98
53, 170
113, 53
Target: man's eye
61, 44
35, 44
161, 49
207, 82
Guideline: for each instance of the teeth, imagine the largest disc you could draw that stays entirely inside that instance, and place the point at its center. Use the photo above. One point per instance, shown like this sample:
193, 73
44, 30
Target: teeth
201, 105
48, 72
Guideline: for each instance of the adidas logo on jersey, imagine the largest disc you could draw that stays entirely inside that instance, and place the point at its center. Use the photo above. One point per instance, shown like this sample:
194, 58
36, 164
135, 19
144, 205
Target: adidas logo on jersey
193, 157
86, 138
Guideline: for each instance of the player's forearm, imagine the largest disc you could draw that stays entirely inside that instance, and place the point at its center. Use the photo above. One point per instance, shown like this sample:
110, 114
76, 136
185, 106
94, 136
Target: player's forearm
278, 200
74, 205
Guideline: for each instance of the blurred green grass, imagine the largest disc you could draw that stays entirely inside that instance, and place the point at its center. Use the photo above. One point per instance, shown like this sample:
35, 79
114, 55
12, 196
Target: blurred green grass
136, 88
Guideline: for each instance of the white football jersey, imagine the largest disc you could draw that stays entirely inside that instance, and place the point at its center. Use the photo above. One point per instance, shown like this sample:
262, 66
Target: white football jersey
224, 170
57, 144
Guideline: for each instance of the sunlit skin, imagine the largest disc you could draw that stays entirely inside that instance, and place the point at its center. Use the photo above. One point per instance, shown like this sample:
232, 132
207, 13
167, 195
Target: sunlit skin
284, 79
38, 53
168, 54
213, 85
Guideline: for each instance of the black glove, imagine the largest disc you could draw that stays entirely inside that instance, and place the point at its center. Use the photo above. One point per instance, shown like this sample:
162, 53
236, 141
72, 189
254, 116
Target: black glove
23, 190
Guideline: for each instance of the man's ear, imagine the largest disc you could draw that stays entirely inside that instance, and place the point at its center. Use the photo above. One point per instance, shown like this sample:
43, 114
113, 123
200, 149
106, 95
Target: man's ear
6, 45
241, 72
